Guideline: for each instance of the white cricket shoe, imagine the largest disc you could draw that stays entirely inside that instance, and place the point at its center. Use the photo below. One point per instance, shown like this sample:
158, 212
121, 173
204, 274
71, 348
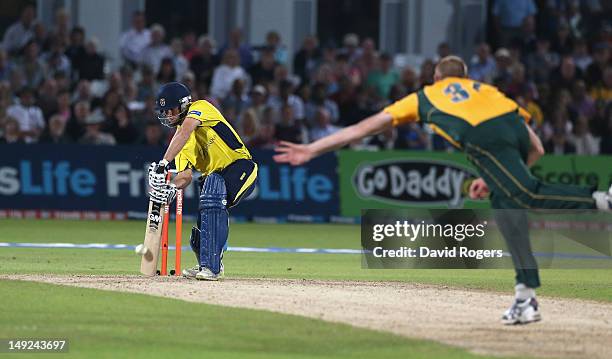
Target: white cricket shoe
191, 272
207, 274
522, 312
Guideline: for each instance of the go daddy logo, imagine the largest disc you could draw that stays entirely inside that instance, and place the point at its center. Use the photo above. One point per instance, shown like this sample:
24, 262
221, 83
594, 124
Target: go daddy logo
412, 182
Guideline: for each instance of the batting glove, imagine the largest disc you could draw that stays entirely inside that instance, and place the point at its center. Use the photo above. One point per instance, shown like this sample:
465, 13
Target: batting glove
164, 195
157, 173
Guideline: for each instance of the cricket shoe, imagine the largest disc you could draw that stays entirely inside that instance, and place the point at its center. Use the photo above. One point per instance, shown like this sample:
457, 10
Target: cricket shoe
191, 272
207, 274
522, 312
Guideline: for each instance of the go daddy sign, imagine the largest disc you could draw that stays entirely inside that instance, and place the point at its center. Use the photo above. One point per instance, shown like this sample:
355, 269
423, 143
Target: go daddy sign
395, 179
399, 179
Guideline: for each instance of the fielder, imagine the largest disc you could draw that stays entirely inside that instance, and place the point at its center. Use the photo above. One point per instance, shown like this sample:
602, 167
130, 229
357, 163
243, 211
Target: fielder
492, 130
204, 141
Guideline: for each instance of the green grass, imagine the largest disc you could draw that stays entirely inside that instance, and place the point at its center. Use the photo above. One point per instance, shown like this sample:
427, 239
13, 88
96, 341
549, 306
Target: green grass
593, 284
102, 324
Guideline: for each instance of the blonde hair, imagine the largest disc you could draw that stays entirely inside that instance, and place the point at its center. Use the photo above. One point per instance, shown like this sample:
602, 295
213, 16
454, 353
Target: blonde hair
452, 66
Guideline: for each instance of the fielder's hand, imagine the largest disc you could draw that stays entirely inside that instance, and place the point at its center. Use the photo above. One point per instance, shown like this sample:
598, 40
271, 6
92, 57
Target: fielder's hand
164, 194
478, 189
292, 153
157, 174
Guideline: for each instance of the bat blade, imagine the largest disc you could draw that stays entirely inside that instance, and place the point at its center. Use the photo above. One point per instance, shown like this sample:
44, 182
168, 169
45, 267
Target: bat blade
152, 240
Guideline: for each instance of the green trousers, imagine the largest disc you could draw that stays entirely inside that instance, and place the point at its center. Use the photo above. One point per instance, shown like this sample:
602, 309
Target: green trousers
498, 148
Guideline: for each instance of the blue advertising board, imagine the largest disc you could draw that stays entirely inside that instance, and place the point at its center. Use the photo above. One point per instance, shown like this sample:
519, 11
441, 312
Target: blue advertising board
113, 178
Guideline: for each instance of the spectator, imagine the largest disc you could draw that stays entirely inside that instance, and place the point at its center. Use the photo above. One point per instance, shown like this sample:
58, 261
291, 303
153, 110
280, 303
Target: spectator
242, 49
47, 97
307, 59
55, 60
601, 59
274, 43
203, 63
426, 76
288, 129
264, 138
157, 50
345, 99
55, 131
5, 66
566, 74
366, 61
482, 65
225, 74
518, 83
286, 97
63, 106
21, 32
509, 16
60, 31
249, 126
383, 141
409, 80
11, 133
92, 66
503, 68
582, 140
258, 100
134, 41
263, 71
582, 103
563, 42
32, 65
319, 100
122, 127
582, 59
167, 72
28, 115
606, 143
384, 77
153, 134
603, 91
190, 45
147, 86
93, 134
323, 126
236, 102
444, 50
83, 92
75, 128
76, 48
540, 64
351, 47
181, 65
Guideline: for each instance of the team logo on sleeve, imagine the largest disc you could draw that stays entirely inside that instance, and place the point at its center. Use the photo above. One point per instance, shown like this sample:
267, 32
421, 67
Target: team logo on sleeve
194, 112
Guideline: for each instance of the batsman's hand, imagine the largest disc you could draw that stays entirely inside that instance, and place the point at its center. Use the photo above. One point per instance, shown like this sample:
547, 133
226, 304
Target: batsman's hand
478, 189
292, 153
164, 195
157, 173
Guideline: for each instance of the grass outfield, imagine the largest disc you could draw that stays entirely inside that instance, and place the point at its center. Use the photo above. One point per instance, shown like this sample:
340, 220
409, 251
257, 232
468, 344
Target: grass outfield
593, 284
103, 324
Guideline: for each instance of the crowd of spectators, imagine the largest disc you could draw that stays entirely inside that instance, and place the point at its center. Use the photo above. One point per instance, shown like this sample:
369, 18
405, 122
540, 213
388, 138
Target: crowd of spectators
56, 86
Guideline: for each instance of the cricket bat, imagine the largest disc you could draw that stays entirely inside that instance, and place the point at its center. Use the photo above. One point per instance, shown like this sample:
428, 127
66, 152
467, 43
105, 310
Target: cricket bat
152, 240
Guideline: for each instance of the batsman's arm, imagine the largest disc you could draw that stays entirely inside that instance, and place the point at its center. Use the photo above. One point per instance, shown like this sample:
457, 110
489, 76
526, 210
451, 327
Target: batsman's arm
180, 138
183, 178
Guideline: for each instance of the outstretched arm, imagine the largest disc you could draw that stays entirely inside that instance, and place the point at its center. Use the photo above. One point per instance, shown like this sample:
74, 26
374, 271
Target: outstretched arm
298, 154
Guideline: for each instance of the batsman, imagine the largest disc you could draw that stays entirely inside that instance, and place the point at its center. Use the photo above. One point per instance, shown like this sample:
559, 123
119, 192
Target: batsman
204, 141
494, 133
